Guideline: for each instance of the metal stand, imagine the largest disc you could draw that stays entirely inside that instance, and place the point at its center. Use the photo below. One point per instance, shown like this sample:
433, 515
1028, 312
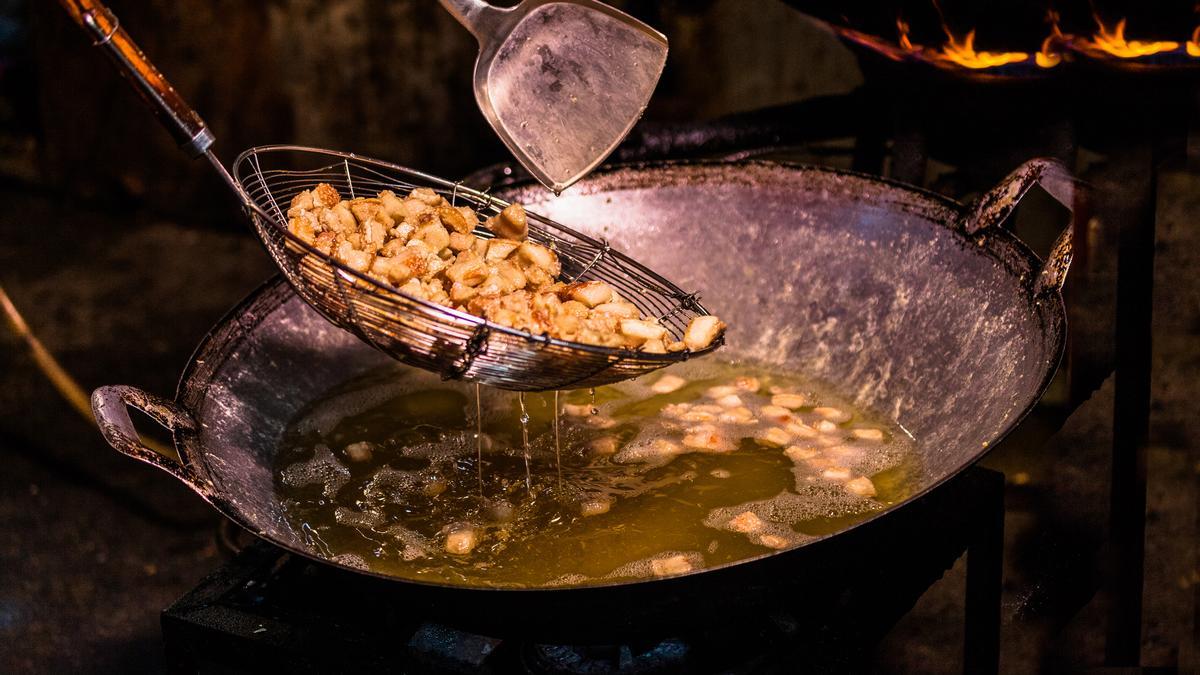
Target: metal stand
1131, 414
985, 577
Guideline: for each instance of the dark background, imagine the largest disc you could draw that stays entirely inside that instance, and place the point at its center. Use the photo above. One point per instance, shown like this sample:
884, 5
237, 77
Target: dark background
389, 79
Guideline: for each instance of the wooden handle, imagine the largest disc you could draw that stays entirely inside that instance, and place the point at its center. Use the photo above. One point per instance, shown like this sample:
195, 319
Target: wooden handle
175, 114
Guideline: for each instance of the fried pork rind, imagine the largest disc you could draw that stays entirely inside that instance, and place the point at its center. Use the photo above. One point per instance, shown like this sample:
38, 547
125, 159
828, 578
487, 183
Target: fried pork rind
426, 247
702, 331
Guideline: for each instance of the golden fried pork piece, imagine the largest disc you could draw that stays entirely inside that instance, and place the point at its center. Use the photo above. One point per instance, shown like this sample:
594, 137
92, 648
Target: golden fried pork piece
427, 248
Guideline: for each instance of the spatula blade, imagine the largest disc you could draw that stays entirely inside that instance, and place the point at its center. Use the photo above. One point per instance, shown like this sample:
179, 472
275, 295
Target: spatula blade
566, 85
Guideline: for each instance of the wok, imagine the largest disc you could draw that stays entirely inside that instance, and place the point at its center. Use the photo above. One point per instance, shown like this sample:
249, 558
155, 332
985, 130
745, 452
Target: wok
920, 308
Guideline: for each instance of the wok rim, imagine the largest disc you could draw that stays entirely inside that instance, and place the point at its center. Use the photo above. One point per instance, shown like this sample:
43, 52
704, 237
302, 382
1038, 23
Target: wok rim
195, 382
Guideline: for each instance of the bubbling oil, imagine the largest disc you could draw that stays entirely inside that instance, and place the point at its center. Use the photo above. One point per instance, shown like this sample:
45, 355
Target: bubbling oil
705, 464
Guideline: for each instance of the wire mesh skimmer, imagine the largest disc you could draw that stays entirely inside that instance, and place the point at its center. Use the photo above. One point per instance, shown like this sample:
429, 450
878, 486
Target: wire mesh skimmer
414, 331
432, 336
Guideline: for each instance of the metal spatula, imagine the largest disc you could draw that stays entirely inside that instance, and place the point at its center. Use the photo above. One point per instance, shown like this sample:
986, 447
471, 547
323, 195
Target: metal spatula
561, 82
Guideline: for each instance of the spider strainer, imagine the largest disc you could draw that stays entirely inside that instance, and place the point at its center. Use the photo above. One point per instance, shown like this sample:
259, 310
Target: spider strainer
414, 331
432, 336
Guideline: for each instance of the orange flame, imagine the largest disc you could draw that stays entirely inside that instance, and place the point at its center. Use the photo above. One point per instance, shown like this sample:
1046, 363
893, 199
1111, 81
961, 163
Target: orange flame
1055, 48
959, 51
905, 43
1047, 56
1113, 42
963, 53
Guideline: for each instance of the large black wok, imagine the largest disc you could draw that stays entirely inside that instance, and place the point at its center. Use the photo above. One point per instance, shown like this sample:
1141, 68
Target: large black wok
911, 304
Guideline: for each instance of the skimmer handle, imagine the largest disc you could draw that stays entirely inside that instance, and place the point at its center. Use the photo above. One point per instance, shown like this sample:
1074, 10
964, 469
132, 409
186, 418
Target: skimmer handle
110, 405
175, 114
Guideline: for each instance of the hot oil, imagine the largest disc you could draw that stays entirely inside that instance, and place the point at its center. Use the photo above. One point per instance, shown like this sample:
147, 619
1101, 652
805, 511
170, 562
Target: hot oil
385, 473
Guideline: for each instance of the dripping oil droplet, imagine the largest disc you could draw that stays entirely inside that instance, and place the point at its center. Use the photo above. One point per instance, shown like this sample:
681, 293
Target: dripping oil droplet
525, 441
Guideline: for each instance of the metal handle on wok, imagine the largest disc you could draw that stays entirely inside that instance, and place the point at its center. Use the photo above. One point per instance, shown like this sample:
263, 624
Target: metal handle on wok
997, 204
110, 405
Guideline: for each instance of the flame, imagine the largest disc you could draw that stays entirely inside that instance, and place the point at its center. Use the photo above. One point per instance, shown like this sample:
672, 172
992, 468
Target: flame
1113, 42
905, 43
963, 53
1047, 56
960, 51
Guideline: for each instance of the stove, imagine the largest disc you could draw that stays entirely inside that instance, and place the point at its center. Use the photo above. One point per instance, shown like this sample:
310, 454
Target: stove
269, 610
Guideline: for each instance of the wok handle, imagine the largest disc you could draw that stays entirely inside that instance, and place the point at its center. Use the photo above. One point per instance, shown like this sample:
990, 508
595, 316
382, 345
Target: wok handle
997, 204
1054, 270
175, 114
110, 405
